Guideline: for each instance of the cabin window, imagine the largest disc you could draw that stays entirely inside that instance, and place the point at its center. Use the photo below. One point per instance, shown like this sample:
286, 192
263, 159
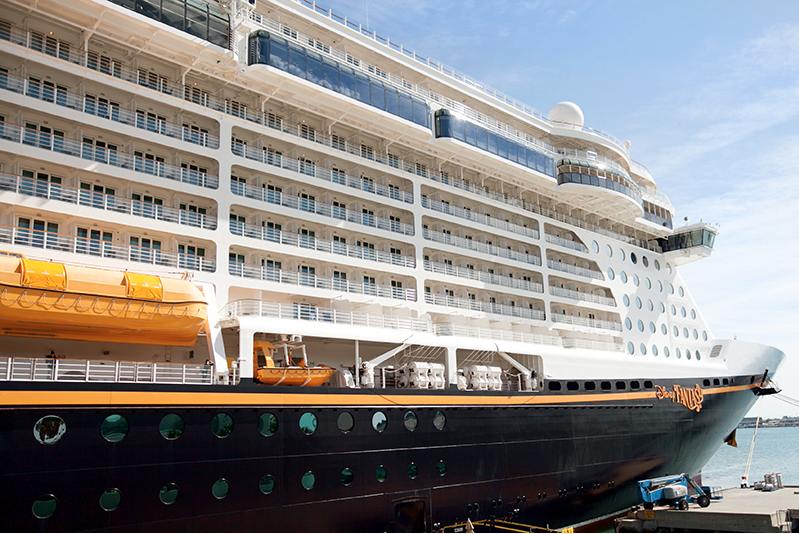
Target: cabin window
589, 386
308, 423
345, 422
267, 424
220, 488
169, 493
554, 385
439, 420
379, 421
49, 429
346, 477
171, 426
44, 506
308, 480
110, 499
413, 471
605, 385
222, 425
114, 428
380, 474
267, 484
411, 421
441, 467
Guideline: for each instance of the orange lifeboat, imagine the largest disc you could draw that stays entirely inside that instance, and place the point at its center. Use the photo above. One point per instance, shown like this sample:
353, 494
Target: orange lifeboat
54, 300
300, 375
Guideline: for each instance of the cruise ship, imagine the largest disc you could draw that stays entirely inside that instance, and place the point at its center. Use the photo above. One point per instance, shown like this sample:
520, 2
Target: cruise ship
264, 269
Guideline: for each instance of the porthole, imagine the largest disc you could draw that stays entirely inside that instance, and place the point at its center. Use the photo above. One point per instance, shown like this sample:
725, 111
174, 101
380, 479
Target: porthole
696, 334
638, 303
687, 354
681, 291
630, 347
169, 493
704, 335
698, 357
676, 331
650, 305
663, 329
662, 307
171, 426
267, 424
633, 258
49, 429
308, 423
652, 327
621, 385
645, 261
626, 300
595, 246
666, 352
611, 274
589, 385
671, 289
439, 420
640, 325
220, 488
623, 276
222, 425
678, 352
643, 349
609, 251
413, 471
657, 265
685, 333
682, 311
267, 484
621, 254
654, 350
345, 422
114, 428
660, 286
668, 268
110, 499
673, 310
410, 420
635, 384
628, 323
636, 280
379, 421
308, 480
380, 474
648, 283
693, 313
605, 385
44, 506
441, 468
346, 477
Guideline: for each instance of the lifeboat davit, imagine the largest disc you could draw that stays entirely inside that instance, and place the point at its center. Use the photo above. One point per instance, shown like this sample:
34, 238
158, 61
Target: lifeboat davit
54, 300
295, 375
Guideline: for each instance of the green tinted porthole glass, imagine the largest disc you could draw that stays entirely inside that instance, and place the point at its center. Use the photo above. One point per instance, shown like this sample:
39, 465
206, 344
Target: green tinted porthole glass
110, 499
630, 347
410, 421
666, 352
663, 329
169, 493
413, 471
172, 426
346, 477
380, 474
222, 425
49, 429
220, 488
441, 467
308, 480
678, 352
698, 356
645, 261
267, 485
439, 420
114, 428
643, 349
633, 257
379, 421
345, 422
267, 424
44, 506
654, 350
308, 423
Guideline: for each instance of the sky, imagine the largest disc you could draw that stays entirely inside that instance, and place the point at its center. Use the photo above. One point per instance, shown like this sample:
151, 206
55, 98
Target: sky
706, 91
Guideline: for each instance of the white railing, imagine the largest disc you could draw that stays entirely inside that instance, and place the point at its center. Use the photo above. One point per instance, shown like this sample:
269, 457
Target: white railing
123, 160
480, 218
470, 244
319, 208
283, 276
94, 199
580, 271
582, 321
482, 276
579, 295
63, 370
292, 239
485, 307
565, 243
577, 343
496, 334
41, 239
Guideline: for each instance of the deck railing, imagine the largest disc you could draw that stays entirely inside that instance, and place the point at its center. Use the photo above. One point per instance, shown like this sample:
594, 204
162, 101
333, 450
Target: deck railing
68, 370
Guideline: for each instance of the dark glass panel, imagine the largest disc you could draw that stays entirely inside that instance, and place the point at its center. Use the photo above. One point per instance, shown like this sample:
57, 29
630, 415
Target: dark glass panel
297, 64
347, 81
492, 143
468, 129
279, 55
331, 76
363, 92
406, 108
502, 147
480, 134
173, 13
421, 113
378, 95
315, 70
392, 101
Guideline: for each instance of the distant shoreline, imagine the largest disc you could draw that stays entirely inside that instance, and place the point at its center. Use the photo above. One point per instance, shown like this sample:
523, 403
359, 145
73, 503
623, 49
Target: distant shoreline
770, 423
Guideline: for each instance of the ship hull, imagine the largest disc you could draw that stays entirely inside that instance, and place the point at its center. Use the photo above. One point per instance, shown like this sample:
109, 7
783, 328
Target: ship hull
553, 459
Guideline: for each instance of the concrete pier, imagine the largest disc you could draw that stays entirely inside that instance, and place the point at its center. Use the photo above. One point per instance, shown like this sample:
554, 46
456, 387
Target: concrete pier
741, 510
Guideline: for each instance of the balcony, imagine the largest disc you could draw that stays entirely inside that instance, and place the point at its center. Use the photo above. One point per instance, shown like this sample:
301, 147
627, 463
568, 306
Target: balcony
493, 222
92, 199
485, 307
295, 278
582, 321
495, 334
320, 245
319, 208
573, 245
14, 235
485, 248
573, 269
123, 160
482, 276
579, 295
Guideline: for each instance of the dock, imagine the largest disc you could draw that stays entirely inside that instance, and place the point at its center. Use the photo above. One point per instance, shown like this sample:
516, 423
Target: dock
741, 510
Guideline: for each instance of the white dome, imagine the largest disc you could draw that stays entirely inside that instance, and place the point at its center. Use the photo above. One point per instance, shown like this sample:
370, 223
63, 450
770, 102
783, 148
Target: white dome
566, 112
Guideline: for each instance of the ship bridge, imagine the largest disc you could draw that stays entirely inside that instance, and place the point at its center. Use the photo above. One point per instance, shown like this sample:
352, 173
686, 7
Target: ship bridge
689, 243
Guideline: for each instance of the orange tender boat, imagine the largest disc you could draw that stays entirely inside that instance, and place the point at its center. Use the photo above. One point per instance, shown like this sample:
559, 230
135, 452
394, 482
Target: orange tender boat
54, 300
300, 375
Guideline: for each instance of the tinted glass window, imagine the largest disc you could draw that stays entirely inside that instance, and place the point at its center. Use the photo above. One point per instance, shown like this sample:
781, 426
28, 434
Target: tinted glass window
378, 95
406, 108
279, 55
315, 69
347, 81
363, 90
297, 61
392, 101
420, 113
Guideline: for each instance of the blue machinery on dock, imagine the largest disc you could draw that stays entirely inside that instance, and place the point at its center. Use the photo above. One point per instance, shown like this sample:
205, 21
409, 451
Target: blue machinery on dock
674, 491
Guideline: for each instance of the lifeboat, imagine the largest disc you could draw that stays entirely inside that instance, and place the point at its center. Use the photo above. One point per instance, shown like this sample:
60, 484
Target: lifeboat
55, 300
299, 375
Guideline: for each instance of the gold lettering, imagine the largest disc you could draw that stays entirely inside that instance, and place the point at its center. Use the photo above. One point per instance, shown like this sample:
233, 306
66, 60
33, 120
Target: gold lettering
691, 398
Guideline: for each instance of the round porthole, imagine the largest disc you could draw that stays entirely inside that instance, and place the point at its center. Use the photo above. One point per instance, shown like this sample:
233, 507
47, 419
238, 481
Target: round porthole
676, 331
698, 357
169, 493
380, 474
611, 274
650, 305
379, 421
630, 347
683, 312
44, 506
439, 420
267, 484
609, 251
657, 265
114, 428
621, 254
413, 471
595, 246
441, 468
643, 349
636, 280
308, 423
666, 352
628, 323
411, 421
171, 426
652, 327
267, 424
625, 299
346, 477
345, 422
685, 333
696, 334
645, 261
648, 283
678, 352
49, 429
704, 335
633, 258
110, 499
693, 314
308, 480
638, 303
663, 329
222, 425
654, 350
671, 289
623, 276
220, 488
640, 325
681, 291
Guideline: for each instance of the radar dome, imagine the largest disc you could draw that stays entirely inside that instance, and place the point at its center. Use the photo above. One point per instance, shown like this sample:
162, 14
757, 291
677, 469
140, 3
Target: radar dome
566, 112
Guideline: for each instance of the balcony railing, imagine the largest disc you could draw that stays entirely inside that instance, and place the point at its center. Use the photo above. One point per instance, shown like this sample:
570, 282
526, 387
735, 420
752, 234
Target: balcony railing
485, 307
487, 220
579, 295
14, 235
94, 199
123, 160
495, 334
477, 246
294, 278
63, 370
578, 343
320, 245
582, 321
573, 269
103, 110
482, 276
565, 243
319, 208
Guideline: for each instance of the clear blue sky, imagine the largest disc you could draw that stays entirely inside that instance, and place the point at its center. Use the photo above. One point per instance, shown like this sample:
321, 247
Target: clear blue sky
706, 91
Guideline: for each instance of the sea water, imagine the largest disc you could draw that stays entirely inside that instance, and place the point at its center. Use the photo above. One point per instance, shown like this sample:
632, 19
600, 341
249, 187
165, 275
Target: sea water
774, 452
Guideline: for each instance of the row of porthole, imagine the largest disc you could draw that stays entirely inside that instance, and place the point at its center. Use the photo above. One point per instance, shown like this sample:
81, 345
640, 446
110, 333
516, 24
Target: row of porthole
633, 257
647, 281
45, 506
666, 351
49, 429
628, 323
605, 385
